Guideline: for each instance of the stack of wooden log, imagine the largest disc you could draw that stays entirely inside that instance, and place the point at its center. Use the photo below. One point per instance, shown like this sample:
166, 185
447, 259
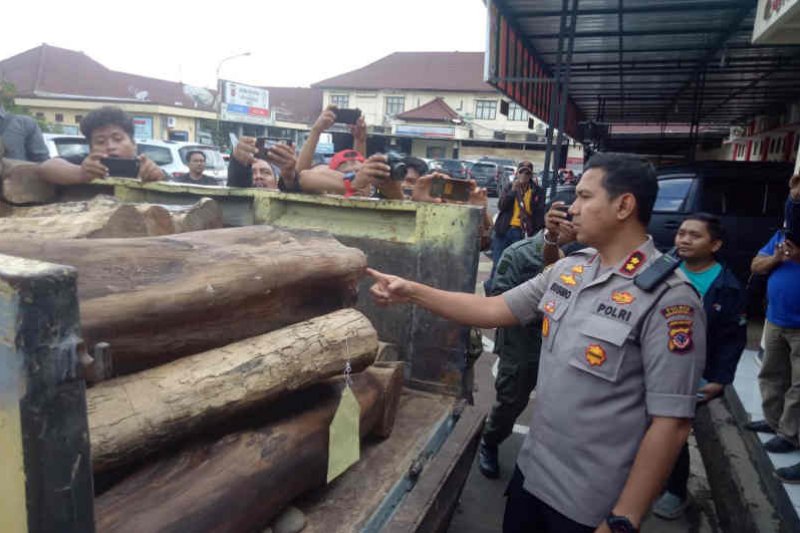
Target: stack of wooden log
228, 347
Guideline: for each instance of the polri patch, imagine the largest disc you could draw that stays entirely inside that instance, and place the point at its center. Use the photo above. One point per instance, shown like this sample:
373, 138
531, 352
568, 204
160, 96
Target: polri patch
680, 336
622, 297
677, 310
550, 307
595, 355
561, 291
633, 263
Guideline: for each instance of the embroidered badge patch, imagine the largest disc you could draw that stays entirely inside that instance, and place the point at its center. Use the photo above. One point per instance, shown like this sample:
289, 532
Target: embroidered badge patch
546, 326
596, 355
634, 263
550, 307
568, 279
677, 310
622, 297
577, 269
680, 336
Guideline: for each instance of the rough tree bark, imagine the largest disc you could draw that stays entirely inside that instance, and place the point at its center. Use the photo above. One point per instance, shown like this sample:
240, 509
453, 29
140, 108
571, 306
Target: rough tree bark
134, 415
107, 217
155, 299
240, 482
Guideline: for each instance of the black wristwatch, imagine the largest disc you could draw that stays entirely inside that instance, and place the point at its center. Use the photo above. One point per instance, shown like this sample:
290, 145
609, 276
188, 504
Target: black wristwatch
620, 524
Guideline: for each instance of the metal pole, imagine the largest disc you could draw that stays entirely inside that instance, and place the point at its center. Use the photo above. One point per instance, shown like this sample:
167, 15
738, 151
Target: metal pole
562, 112
548, 175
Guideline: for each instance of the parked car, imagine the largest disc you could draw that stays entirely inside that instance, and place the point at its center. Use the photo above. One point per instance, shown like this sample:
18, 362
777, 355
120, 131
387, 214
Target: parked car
453, 167
499, 160
172, 156
489, 175
66, 145
748, 197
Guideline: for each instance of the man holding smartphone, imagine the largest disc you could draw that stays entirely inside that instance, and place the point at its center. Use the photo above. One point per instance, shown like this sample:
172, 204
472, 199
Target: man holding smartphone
109, 131
619, 364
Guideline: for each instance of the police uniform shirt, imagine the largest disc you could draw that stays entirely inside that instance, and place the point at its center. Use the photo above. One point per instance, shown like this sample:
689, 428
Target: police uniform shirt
612, 357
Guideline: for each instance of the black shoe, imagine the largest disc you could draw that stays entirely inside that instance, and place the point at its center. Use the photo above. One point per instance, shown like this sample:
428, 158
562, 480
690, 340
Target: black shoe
789, 474
487, 461
778, 444
759, 426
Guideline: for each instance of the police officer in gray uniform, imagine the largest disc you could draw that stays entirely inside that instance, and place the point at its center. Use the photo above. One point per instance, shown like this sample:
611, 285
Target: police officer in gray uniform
619, 363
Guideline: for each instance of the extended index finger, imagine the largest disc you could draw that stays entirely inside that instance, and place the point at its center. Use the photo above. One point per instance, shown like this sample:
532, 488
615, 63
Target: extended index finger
376, 275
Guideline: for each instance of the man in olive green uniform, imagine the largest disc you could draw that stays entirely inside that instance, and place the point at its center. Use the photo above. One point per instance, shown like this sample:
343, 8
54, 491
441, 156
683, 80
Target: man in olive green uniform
518, 348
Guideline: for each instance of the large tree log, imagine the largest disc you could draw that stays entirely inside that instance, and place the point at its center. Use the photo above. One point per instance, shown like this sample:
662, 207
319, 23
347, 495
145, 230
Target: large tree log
155, 299
137, 414
22, 184
240, 482
106, 217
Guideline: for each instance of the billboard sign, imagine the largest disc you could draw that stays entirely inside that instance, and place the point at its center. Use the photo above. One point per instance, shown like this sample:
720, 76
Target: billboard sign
245, 103
142, 128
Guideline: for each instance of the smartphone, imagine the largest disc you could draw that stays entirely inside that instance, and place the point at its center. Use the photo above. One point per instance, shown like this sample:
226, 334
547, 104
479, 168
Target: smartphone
347, 116
565, 208
263, 144
120, 167
450, 189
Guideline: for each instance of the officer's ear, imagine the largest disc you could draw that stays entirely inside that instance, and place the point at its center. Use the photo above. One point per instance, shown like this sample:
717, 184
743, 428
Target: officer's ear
716, 245
625, 205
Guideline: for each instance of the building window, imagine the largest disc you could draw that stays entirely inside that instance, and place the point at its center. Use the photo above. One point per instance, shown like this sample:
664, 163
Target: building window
78, 119
485, 109
39, 115
517, 112
340, 100
59, 117
395, 105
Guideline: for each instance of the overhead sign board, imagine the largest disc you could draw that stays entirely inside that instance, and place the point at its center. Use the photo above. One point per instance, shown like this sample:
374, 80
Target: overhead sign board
777, 22
245, 103
425, 131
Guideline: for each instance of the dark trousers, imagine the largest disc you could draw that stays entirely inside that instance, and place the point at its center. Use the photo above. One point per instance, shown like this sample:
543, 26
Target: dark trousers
516, 378
525, 513
499, 244
679, 479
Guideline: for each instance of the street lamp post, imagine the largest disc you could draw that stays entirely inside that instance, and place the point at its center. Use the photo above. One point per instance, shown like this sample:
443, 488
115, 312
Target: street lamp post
219, 87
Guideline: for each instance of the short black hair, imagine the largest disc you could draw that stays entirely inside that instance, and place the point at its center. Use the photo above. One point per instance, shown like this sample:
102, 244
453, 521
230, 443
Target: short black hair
628, 173
106, 116
190, 154
713, 223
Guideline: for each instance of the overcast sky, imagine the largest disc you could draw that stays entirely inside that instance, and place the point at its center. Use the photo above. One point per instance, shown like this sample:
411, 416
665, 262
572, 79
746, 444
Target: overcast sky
292, 42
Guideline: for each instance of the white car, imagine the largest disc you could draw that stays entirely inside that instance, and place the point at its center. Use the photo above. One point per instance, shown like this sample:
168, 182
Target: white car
173, 155
66, 145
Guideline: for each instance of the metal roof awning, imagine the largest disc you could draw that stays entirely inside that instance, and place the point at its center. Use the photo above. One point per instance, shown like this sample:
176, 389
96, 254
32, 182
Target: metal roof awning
638, 61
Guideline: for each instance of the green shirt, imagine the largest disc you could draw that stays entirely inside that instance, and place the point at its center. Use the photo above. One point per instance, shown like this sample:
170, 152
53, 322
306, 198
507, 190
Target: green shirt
702, 280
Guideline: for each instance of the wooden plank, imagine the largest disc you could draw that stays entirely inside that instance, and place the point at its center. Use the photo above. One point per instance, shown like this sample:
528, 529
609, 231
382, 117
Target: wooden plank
45, 445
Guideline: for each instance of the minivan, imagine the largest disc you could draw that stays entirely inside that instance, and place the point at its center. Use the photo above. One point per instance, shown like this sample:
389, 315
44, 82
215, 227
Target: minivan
748, 197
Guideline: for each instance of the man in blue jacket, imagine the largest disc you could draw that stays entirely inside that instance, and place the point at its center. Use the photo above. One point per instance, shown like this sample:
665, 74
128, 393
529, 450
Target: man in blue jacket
698, 239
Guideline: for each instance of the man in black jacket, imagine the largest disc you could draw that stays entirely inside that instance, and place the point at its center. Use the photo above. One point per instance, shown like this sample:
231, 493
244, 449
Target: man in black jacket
698, 239
519, 214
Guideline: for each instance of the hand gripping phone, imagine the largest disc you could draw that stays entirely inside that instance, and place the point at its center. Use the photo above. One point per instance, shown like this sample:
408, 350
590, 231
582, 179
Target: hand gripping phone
121, 167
